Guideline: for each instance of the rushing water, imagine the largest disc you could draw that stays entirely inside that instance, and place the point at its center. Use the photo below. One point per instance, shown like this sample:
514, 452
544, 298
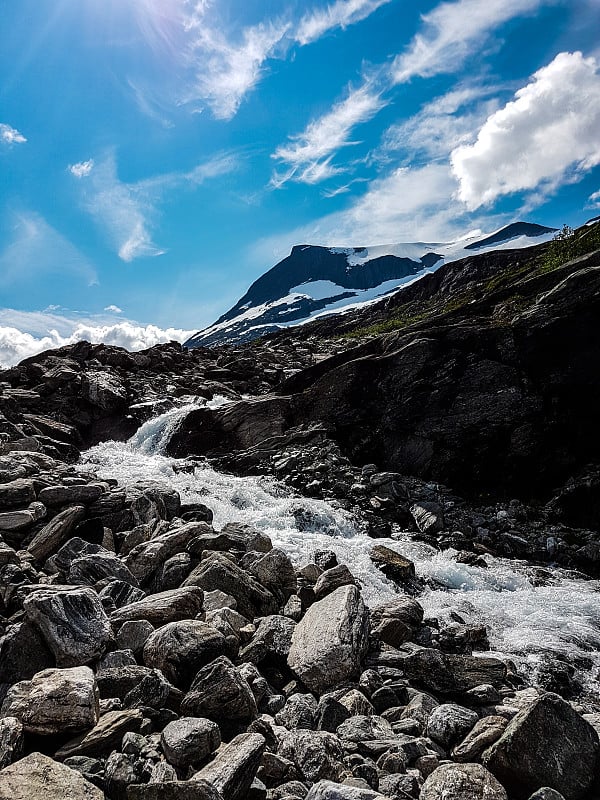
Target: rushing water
525, 621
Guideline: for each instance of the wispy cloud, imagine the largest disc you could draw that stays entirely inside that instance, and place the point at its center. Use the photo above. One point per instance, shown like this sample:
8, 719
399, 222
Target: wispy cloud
449, 32
593, 200
340, 14
546, 136
36, 249
82, 169
128, 211
224, 70
308, 156
114, 309
10, 135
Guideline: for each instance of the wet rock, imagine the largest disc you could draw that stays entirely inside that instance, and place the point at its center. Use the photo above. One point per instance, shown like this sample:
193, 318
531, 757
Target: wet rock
219, 692
105, 736
234, 767
441, 672
72, 622
189, 740
462, 782
11, 740
329, 643
37, 776
332, 579
485, 732
55, 533
180, 649
546, 744
448, 723
393, 565
428, 517
159, 609
219, 572
54, 701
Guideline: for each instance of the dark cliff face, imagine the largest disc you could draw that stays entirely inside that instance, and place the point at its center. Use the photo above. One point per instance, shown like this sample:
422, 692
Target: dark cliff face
496, 388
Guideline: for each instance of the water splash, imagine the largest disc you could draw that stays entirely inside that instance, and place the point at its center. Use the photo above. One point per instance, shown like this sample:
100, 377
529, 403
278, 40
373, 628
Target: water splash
525, 621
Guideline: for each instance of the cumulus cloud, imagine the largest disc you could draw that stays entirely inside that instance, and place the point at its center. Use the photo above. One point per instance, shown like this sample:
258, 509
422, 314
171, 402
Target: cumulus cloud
10, 135
546, 136
17, 344
449, 32
308, 155
82, 169
340, 14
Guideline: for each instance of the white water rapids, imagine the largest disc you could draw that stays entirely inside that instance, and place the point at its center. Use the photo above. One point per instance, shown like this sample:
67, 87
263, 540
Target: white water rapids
524, 621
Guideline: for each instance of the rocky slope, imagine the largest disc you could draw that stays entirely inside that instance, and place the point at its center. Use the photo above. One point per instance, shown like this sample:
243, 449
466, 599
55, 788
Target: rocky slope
321, 281
148, 653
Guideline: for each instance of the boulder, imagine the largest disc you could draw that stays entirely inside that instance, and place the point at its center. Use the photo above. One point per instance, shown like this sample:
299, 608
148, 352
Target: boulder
189, 740
55, 533
326, 790
396, 622
329, 643
276, 573
332, 579
72, 622
159, 609
217, 571
16, 494
234, 767
68, 495
104, 737
393, 565
147, 557
180, 649
485, 732
220, 692
318, 755
462, 782
55, 701
90, 569
11, 740
546, 744
428, 517
448, 723
23, 652
37, 776
272, 639
174, 790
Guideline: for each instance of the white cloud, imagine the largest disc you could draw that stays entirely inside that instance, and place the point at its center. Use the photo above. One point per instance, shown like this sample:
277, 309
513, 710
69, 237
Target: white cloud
36, 249
114, 309
547, 136
308, 156
226, 71
336, 15
438, 128
10, 135
127, 210
17, 343
450, 32
593, 200
82, 169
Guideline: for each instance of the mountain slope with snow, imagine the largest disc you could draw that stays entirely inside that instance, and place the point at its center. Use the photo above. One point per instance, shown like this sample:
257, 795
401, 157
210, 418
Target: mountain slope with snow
316, 281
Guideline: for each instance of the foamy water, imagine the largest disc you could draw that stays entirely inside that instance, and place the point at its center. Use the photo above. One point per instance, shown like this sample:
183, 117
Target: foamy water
524, 621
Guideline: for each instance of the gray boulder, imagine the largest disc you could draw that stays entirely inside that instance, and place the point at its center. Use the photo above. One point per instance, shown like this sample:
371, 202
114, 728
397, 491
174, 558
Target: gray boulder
462, 782
104, 737
546, 744
164, 607
37, 776
11, 740
329, 643
55, 533
72, 622
234, 767
189, 740
485, 732
54, 701
318, 755
180, 649
448, 723
326, 790
220, 692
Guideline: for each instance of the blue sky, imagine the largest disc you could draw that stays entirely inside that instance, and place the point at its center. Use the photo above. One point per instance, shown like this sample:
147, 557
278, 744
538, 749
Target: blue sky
156, 156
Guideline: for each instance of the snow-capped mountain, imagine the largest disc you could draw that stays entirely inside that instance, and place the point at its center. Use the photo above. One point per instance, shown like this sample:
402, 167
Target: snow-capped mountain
315, 281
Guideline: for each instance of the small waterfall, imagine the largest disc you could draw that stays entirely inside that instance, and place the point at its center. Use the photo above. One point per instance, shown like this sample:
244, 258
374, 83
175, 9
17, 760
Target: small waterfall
154, 436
